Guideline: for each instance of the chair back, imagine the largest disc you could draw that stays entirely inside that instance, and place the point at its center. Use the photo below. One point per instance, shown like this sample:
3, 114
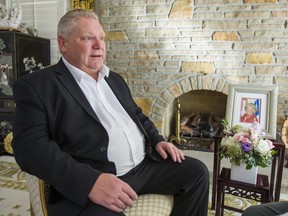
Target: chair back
36, 189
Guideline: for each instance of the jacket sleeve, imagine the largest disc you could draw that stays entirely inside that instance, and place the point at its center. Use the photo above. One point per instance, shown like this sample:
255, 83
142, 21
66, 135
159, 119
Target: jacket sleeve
39, 155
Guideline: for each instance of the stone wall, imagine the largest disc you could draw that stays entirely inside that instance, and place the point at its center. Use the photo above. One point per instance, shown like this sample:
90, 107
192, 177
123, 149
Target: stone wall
164, 48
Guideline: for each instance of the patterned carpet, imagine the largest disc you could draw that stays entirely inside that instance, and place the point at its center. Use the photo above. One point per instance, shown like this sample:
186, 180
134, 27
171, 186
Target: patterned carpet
14, 198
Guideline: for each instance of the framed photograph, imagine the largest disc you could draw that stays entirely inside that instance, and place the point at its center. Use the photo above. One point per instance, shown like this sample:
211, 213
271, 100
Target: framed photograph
253, 103
83, 4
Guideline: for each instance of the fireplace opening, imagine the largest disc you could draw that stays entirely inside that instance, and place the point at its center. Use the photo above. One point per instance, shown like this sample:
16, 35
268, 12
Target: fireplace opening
194, 118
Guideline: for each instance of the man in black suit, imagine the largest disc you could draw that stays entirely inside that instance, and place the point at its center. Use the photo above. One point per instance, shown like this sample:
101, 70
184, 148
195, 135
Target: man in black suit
78, 128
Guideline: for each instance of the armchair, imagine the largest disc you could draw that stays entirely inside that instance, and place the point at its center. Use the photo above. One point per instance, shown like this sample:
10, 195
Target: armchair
146, 205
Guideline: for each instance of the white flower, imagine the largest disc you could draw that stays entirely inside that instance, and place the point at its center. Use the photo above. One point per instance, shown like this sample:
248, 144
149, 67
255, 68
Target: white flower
262, 147
228, 141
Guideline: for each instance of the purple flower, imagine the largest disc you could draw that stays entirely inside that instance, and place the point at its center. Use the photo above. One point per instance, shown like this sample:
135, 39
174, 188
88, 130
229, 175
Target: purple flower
246, 147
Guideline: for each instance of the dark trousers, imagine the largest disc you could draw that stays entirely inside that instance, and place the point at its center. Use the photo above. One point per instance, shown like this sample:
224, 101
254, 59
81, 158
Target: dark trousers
188, 182
267, 209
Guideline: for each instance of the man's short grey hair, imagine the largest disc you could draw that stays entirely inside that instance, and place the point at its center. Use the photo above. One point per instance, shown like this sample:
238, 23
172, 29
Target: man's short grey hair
66, 23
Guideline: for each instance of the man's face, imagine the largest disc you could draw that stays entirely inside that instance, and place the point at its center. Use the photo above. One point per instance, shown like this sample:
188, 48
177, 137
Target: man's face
85, 48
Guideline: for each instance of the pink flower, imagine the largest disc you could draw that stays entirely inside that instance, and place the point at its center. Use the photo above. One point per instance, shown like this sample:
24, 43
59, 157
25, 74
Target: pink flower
242, 137
246, 140
270, 144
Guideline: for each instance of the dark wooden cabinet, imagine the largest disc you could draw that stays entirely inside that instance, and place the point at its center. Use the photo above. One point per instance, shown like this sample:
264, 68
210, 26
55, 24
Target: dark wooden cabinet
20, 54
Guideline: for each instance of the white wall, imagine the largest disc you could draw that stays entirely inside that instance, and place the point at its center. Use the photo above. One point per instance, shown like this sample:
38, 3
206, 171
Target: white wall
44, 16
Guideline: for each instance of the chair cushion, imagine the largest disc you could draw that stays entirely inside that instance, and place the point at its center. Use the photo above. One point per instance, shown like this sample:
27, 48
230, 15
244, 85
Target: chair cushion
146, 205
151, 205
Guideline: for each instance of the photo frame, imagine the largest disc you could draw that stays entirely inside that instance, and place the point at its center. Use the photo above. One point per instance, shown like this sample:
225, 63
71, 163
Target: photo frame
249, 103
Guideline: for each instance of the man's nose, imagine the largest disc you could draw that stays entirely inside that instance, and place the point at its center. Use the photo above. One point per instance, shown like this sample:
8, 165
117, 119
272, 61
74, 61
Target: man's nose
97, 43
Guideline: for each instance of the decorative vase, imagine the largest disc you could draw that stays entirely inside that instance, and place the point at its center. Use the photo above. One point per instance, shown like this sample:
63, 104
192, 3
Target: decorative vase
239, 173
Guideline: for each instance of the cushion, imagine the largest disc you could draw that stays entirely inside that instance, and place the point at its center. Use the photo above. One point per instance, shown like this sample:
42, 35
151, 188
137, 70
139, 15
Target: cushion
151, 205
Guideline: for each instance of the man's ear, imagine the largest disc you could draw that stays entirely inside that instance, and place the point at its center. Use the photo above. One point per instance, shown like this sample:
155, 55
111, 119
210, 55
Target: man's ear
61, 43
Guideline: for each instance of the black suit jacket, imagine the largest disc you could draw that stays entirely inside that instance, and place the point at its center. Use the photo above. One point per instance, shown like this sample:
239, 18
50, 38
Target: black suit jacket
59, 138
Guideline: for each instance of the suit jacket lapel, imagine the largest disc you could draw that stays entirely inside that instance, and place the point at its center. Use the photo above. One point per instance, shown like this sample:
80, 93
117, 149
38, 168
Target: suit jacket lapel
69, 82
119, 94
114, 85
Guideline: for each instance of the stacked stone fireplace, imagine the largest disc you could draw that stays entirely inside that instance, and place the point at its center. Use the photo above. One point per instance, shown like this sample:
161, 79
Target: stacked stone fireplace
200, 99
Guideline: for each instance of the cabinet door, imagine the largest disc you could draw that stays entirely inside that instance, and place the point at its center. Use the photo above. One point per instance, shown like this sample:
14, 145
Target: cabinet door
7, 61
20, 54
32, 53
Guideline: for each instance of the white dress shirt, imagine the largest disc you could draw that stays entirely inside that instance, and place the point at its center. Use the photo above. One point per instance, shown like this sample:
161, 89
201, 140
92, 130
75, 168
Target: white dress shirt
126, 141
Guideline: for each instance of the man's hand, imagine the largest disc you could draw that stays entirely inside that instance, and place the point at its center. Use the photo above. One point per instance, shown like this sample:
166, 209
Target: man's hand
166, 147
112, 193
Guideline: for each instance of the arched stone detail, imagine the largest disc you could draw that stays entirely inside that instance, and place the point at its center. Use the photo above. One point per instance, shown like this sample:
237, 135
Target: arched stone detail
181, 86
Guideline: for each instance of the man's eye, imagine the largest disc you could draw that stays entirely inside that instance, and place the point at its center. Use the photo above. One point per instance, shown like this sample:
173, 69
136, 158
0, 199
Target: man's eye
87, 38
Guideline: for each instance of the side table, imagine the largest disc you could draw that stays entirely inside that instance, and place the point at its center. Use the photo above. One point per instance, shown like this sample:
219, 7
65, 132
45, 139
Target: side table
259, 192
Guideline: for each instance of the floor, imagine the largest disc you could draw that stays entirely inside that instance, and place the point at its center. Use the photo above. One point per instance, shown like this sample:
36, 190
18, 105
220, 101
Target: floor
207, 158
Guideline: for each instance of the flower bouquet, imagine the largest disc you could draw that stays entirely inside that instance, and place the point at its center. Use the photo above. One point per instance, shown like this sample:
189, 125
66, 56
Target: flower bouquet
246, 145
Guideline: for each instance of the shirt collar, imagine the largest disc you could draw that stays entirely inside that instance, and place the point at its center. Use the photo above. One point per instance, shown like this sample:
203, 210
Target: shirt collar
78, 74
